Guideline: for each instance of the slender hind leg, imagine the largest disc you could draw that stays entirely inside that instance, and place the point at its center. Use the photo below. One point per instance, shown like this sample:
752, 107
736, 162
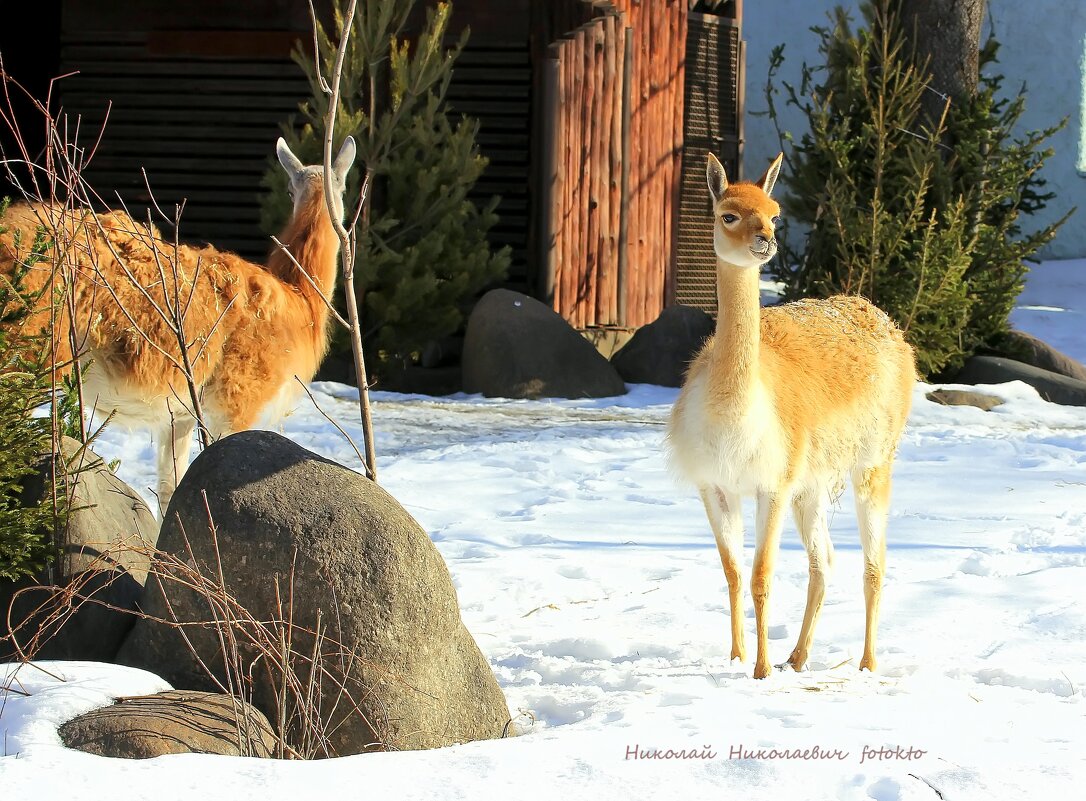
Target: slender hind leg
724, 513
770, 508
174, 448
810, 513
872, 508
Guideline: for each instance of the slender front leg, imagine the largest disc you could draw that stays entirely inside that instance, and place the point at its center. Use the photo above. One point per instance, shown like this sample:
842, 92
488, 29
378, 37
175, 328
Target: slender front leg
810, 512
724, 512
770, 509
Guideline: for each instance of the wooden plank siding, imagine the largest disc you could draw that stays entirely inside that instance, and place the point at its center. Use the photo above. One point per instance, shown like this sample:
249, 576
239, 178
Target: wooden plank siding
491, 83
203, 126
580, 247
599, 161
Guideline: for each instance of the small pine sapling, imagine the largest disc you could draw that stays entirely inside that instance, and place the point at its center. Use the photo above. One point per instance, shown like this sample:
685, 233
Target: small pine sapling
422, 254
25, 437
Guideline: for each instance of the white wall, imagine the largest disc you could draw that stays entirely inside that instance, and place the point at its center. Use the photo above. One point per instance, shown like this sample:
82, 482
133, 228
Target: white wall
1043, 47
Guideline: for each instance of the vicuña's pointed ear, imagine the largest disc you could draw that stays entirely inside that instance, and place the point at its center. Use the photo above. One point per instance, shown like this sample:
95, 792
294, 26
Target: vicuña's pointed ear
291, 163
715, 177
345, 158
770, 177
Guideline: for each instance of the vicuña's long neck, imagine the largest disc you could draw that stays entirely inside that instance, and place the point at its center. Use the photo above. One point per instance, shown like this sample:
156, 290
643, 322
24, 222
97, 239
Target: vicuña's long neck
313, 242
738, 331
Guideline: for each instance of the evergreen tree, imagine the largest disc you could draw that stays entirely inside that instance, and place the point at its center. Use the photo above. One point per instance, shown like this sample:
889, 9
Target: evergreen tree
996, 173
930, 233
422, 252
24, 438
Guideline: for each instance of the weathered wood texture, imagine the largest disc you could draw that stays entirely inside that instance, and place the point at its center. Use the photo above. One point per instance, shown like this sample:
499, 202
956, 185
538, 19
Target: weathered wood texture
580, 247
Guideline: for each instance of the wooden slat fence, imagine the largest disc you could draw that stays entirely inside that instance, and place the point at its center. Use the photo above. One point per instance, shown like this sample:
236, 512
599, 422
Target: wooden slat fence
611, 128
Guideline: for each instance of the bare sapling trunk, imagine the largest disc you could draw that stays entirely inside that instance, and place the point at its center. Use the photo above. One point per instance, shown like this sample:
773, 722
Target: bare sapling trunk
348, 237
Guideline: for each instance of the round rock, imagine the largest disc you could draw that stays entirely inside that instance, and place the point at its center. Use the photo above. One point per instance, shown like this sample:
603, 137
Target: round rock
362, 567
172, 722
103, 554
516, 347
1051, 386
660, 352
1038, 353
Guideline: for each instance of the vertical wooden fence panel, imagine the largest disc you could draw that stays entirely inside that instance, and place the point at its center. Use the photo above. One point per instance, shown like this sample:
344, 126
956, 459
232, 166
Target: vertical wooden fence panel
659, 28
582, 242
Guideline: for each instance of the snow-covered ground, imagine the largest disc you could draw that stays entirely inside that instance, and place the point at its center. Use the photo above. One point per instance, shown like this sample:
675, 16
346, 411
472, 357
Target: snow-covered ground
590, 580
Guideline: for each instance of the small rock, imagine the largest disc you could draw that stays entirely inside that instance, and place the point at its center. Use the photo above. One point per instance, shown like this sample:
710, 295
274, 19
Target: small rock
962, 397
172, 722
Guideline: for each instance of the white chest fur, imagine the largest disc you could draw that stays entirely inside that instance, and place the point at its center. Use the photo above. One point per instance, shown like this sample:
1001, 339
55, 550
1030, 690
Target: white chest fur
739, 451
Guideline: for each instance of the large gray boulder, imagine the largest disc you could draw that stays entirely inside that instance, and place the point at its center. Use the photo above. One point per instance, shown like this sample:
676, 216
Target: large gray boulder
172, 722
516, 347
1051, 386
660, 352
102, 555
1036, 352
381, 587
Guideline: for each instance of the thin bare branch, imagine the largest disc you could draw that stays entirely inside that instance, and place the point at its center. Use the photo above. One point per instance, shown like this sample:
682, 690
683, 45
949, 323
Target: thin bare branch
312, 282
346, 242
338, 427
323, 84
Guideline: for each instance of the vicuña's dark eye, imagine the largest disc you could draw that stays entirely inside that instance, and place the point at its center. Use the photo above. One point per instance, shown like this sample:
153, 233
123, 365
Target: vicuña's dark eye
729, 218
776, 221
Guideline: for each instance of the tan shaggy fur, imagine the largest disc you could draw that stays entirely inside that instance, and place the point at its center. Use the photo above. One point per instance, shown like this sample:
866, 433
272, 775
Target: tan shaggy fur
254, 327
786, 403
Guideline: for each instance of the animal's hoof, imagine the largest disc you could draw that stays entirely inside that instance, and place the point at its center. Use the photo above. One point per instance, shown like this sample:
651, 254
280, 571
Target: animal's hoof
868, 663
740, 654
761, 670
796, 661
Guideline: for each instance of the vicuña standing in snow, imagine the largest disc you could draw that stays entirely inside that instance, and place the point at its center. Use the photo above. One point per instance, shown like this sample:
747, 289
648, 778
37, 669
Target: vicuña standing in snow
249, 329
784, 403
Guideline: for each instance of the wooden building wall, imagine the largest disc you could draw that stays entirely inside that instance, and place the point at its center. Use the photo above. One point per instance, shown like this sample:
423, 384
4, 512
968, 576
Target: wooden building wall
659, 29
713, 123
610, 137
592, 181
492, 83
195, 93
624, 227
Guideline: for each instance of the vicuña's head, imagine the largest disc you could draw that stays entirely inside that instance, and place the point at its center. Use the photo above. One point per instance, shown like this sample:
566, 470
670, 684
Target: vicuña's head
744, 215
303, 180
